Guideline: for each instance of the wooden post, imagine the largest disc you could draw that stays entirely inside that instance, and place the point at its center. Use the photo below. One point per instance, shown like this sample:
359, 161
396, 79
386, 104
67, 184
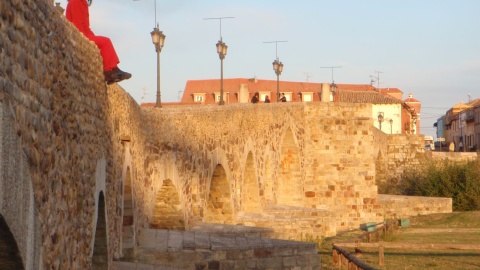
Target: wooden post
381, 255
335, 256
344, 261
368, 237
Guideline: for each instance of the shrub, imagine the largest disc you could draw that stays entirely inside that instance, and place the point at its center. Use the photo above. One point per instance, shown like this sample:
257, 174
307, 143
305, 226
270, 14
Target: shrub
457, 180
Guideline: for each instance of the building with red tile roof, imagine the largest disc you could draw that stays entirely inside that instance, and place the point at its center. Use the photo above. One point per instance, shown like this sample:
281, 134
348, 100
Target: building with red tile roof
461, 126
396, 115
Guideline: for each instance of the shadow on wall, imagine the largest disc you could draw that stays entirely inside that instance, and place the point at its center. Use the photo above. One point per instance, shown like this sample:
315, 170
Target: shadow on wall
219, 203
289, 188
9, 254
128, 231
100, 250
168, 212
251, 192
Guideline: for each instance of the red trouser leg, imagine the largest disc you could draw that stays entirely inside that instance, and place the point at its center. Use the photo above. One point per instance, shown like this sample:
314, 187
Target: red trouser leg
110, 58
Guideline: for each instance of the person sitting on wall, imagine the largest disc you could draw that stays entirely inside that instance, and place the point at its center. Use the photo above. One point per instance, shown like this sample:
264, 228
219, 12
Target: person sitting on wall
283, 98
473, 148
77, 13
267, 99
255, 98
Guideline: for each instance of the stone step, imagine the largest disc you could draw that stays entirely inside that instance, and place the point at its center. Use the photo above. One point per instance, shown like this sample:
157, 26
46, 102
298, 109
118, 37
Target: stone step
167, 249
226, 229
281, 212
127, 237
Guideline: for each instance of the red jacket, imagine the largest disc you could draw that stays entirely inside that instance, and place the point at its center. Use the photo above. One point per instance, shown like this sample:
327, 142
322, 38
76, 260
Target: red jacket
77, 13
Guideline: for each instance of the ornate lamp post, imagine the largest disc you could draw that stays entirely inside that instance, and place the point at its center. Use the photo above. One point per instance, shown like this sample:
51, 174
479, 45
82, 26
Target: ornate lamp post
380, 119
222, 51
158, 39
278, 67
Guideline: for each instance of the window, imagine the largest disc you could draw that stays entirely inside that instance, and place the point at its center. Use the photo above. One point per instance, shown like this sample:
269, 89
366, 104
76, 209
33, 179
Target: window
307, 97
199, 97
226, 97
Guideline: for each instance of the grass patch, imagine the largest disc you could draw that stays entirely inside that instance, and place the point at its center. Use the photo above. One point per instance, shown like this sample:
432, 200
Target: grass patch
453, 228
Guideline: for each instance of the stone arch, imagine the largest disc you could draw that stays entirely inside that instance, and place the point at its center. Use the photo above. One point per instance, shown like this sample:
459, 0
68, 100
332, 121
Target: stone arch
10, 257
290, 178
168, 212
128, 230
100, 246
219, 208
251, 191
19, 215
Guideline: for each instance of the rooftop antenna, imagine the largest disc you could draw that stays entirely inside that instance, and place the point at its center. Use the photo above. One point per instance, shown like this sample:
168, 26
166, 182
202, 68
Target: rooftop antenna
469, 98
378, 78
220, 19
179, 96
307, 74
276, 46
332, 67
144, 92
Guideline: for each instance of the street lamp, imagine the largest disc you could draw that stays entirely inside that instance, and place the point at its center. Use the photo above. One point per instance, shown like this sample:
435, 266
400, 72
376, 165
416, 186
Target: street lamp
391, 124
222, 51
278, 67
380, 119
158, 39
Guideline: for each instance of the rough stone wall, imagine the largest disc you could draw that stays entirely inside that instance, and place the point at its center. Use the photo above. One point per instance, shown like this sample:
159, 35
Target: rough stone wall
404, 151
340, 168
16, 197
54, 98
394, 153
395, 207
333, 142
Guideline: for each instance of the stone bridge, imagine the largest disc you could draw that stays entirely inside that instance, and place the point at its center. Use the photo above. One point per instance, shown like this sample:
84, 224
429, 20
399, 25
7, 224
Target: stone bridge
88, 177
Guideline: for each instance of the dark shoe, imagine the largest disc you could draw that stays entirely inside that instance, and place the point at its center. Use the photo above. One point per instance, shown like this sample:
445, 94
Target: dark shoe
116, 75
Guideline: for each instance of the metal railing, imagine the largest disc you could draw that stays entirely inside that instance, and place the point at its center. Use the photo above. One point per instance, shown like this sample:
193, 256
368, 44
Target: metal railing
341, 257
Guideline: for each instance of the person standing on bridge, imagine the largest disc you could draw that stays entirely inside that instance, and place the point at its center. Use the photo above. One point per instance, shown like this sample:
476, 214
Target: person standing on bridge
77, 13
255, 98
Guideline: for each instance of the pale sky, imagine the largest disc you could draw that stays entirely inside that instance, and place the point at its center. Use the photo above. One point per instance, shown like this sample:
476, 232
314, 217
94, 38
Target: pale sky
430, 48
